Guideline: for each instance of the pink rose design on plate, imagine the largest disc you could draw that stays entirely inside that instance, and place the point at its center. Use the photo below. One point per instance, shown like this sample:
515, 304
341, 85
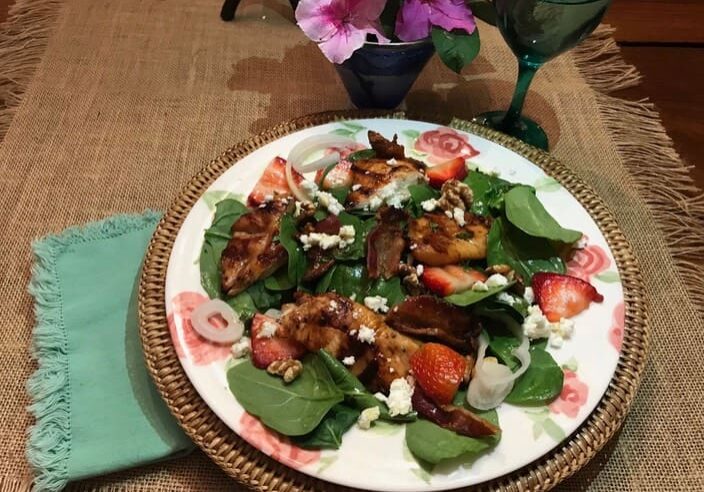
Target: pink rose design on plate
198, 349
269, 442
444, 144
573, 396
618, 321
587, 262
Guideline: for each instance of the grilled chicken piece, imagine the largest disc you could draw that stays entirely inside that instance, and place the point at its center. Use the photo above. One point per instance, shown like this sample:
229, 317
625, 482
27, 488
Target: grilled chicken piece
385, 243
320, 260
386, 176
251, 254
438, 240
332, 322
430, 318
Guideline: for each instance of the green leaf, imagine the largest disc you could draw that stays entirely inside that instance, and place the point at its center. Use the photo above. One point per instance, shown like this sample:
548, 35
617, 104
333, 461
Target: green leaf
524, 210
279, 281
216, 238
344, 132
508, 245
383, 428
391, 289
484, 10
608, 277
320, 214
356, 127
547, 184
469, 297
296, 258
292, 409
326, 462
553, 430
263, 298
323, 284
422, 474
412, 134
349, 280
433, 444
540, 384
361, 155
571, 365
537, 429
356, 250
456, 49
340, 193
388, 17
243, 305
328, 434
419, 193
213, 197
487, 191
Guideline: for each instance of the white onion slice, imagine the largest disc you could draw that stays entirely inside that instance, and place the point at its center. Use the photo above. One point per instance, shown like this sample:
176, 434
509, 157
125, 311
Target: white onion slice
322, 163
200, 319
303, 149
492, 381
293, 186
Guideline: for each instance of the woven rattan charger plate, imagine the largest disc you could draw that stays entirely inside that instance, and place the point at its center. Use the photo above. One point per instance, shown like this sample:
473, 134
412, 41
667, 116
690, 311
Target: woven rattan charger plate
252, 467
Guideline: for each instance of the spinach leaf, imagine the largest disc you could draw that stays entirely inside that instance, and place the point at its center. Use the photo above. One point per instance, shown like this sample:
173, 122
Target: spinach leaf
243, 305
296, 258
488, 192
356, 250
361, 155
263, 298
328, 434
455, 48
216, 237
349, 279
433, 444
279, 281
526, 254
355, 392
391, 289
340, 193
524, 210
292, 409
320, 214
323, 284
419, 193
469, 297
541, 383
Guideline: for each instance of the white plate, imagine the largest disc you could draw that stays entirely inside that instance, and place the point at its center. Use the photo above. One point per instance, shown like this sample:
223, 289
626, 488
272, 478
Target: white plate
378, 459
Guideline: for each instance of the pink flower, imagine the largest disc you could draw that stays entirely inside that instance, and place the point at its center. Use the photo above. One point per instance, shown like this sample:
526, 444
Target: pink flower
270, 443
416, 17
199, 350
444, 144
618, 321
340, 26
587, 262
573, 396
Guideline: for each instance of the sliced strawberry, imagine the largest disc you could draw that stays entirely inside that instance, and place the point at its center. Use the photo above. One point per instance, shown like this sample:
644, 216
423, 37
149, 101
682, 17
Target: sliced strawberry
563, 296
273, 181
266, 350
340, 175
450, 279
439, 371
452, 169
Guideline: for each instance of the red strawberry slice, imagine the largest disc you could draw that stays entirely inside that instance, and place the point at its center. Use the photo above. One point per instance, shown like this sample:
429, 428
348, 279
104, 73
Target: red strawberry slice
452, 169
439, 371
273, 181
340, 175
266, 350
563, 296
450, 279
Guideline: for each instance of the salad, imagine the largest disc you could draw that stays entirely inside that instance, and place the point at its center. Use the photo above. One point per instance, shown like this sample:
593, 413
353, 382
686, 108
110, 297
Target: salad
358, 285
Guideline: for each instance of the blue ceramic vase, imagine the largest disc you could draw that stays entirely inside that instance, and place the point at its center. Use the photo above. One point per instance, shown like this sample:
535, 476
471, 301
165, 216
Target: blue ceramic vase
378, 76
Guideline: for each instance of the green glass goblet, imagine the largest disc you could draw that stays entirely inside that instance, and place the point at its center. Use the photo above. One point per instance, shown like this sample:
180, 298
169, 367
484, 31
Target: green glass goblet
536, 31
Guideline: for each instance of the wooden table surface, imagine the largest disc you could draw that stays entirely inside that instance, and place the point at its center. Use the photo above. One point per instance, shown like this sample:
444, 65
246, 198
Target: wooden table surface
664, 39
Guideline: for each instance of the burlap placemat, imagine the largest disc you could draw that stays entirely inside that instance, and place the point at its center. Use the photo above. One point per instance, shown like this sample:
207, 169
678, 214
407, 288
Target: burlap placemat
124, 101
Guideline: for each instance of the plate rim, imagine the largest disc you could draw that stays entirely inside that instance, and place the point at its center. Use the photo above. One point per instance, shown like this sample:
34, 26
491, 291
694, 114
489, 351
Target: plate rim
252, 468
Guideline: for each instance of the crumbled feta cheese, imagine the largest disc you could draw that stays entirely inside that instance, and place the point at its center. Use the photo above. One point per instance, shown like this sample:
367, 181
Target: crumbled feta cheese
368, 416
458, 215
347, 234
528, 295
536, 325
329, 241
297, 211
429, 205
377, 303
419, 270
380, 396
507, 298
309, 187
392, 162
241, 348
333, 304
353, 296
330, 202
399, 399
480, 286
449, 213
375, 202
268, 198
560, 331
355, 187
268, 330
394, 193
365, 335
496, 280
581, 243
349, 360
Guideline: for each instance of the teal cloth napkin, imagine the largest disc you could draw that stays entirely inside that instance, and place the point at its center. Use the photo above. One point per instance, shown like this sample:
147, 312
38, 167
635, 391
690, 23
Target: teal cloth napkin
96, 408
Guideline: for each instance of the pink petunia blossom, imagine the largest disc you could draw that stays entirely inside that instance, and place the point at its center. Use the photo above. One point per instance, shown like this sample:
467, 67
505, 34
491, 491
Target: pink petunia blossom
416, 17
340, 26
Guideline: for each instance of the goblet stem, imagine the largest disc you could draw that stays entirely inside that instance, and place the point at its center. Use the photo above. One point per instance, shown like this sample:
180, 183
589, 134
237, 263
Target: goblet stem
526, 72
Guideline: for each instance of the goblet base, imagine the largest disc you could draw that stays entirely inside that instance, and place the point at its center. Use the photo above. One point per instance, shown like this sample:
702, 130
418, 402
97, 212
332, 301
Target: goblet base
523, 129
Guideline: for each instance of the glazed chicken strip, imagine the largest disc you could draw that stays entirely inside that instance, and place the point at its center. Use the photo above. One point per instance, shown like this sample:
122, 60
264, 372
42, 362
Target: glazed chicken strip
251, 253
338, 325
438, 240
381, 178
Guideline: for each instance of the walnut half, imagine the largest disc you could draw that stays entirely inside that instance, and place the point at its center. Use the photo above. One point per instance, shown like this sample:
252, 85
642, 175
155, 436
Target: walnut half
455, 194
288, 369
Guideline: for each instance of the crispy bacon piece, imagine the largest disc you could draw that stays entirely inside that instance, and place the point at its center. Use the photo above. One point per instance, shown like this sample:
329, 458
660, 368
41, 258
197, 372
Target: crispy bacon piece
451, 417
319, 260
431, 318
251, 253
385, 243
